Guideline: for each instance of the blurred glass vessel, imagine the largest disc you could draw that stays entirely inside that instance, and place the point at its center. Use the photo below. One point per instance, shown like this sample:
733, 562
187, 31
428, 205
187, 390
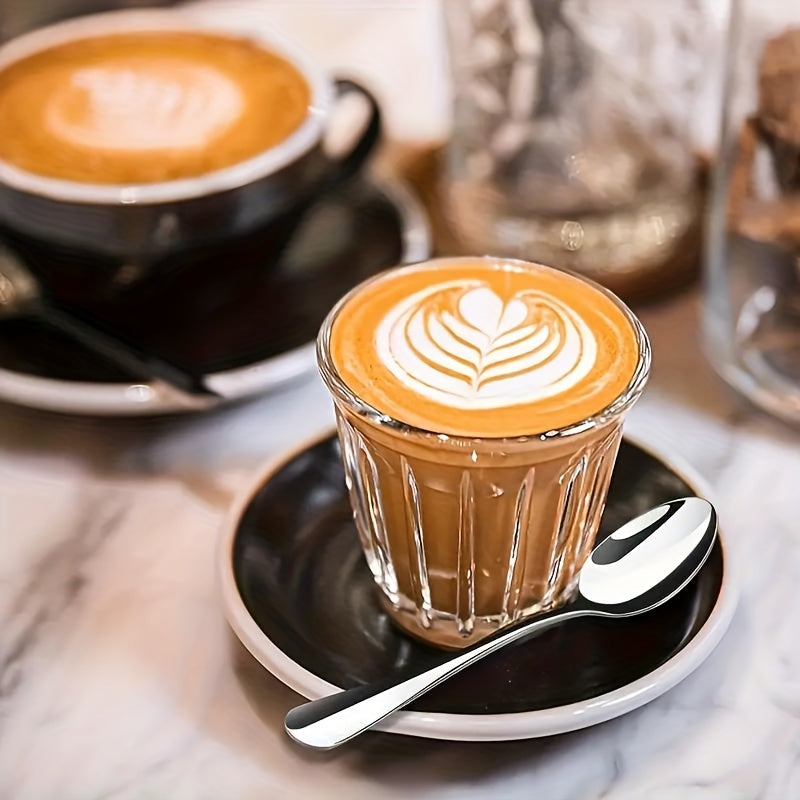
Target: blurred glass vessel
752, 269
575, 138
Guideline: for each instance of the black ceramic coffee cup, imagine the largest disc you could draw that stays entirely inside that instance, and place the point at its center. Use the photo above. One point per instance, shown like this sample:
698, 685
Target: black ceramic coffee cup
92, 243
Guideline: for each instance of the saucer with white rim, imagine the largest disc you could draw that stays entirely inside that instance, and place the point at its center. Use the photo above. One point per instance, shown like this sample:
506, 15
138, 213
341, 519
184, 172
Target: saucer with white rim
244, 341
298, 594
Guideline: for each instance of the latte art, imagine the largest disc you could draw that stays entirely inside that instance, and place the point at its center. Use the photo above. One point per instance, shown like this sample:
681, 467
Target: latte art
482, 347
144, 105
467, 346
147, 106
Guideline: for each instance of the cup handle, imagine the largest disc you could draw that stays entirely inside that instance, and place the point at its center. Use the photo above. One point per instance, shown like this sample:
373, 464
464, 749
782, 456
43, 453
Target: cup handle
348, 164
337, 170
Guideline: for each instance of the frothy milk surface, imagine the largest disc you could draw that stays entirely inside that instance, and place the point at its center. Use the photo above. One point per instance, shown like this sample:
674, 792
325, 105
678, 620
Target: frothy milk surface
146, 107
484, 347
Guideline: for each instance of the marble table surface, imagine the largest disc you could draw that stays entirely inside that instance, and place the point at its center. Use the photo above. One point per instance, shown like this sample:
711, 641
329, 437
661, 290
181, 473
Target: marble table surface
120, 679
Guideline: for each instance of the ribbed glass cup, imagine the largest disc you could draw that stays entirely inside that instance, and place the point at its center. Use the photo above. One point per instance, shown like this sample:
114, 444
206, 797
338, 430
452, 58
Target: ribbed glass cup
464, 535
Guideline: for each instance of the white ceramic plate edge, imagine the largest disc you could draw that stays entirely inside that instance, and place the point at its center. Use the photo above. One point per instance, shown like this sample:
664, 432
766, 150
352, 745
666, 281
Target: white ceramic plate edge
482, 727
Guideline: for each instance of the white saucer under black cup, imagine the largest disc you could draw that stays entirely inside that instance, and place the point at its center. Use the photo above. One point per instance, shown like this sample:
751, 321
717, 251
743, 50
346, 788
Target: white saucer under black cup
245, 337
297, 592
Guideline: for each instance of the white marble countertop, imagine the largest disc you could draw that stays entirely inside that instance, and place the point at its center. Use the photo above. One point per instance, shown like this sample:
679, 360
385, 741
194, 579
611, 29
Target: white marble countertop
120, 679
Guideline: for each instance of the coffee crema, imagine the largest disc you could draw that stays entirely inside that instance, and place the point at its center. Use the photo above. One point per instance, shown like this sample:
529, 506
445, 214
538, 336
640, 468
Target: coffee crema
484, 347
146, 107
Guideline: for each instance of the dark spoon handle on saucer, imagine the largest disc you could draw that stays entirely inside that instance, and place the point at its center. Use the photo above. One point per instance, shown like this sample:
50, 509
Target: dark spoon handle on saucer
132, 359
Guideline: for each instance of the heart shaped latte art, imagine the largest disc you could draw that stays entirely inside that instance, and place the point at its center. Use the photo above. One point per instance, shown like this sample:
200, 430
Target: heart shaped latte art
467, 347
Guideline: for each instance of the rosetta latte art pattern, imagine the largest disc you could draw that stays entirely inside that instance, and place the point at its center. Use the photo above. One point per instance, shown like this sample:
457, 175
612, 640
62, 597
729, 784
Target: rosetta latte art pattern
464, 345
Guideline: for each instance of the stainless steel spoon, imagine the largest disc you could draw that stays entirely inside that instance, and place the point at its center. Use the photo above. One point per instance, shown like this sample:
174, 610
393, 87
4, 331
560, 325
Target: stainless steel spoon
638, 567
21, 295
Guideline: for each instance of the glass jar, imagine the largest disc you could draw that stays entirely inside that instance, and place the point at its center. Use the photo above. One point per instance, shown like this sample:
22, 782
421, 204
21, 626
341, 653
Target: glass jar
752, 266
575, 136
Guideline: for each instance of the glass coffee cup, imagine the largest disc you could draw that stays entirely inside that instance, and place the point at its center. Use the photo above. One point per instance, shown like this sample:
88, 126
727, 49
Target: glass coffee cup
480, 404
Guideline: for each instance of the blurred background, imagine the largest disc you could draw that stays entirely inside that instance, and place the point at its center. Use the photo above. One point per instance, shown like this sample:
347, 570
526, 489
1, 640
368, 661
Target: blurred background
339, 38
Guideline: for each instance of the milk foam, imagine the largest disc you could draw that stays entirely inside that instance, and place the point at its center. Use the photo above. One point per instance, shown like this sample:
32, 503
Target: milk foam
459, 343
139, 105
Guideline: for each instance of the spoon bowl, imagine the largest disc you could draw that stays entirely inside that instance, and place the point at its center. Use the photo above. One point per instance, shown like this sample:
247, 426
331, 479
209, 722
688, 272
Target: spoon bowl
640, 566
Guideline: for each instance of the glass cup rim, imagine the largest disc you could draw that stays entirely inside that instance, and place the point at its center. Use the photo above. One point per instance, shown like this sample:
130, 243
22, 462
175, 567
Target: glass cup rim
343, 395
164, 20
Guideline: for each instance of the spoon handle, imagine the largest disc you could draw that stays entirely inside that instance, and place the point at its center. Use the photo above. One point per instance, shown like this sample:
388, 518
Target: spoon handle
330, 721
147, 366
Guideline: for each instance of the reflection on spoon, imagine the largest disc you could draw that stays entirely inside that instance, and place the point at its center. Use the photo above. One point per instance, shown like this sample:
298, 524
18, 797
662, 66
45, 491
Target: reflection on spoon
637, 568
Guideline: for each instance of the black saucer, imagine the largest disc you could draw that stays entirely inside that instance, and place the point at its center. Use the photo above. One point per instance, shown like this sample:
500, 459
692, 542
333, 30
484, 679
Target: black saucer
237, 317
310, 605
